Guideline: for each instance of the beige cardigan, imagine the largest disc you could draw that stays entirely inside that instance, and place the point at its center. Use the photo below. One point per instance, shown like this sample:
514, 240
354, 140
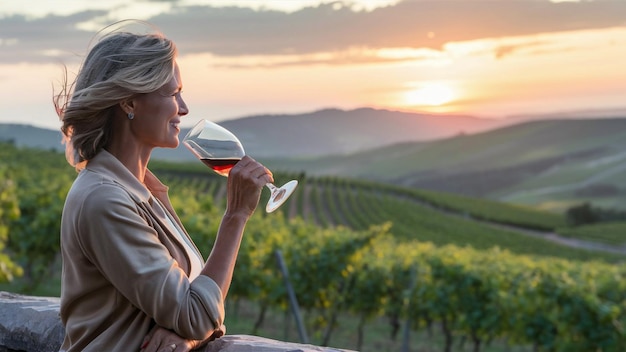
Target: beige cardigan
124, 269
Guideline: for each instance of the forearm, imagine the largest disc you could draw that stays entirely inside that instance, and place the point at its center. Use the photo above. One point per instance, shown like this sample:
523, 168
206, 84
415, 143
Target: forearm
221, 262
245, 182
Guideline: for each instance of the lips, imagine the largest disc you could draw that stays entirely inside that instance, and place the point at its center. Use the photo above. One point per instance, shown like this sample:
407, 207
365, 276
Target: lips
175, 124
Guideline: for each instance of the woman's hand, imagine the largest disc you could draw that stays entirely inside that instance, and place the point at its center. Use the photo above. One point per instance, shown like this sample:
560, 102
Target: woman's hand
245, 182
164, 340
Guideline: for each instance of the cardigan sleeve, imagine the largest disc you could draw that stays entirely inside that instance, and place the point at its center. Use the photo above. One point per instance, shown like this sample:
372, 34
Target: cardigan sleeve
126, 250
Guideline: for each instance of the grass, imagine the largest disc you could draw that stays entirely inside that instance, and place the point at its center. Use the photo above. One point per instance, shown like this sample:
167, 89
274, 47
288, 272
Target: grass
278, 324
613, 233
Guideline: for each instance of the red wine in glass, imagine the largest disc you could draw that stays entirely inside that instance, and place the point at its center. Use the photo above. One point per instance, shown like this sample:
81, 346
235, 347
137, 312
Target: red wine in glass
220, 150
220, 166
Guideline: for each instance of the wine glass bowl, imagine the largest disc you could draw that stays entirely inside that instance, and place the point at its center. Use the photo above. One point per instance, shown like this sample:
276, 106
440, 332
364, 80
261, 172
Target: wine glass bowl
215, 146
220, 150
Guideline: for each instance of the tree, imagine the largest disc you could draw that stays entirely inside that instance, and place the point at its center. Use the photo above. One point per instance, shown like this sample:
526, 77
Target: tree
9, 211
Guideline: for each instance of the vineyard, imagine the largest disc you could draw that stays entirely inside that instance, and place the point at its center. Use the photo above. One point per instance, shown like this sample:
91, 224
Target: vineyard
428, 260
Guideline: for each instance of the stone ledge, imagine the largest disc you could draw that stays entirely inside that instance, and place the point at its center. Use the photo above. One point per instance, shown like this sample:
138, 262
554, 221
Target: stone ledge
29, 323
32, 324
247, 343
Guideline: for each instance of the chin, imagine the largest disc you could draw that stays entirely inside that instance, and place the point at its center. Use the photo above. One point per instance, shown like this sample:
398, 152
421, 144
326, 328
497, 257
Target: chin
171, 144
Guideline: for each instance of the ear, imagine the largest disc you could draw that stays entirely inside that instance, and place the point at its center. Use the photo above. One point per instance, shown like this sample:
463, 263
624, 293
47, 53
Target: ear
127, 105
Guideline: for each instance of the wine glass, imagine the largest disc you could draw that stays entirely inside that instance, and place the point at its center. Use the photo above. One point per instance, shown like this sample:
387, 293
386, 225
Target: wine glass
220, 149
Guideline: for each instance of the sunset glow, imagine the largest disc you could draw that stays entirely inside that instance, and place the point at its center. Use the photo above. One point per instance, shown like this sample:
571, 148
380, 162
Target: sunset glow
429, 94
321, 54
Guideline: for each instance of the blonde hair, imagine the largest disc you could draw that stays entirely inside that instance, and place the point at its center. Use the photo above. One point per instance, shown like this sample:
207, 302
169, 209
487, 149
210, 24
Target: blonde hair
119, 66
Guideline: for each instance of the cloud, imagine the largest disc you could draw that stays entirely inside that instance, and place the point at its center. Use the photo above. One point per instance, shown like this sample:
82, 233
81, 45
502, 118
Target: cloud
45, 39
416, 24
354, 56
325, 28
535, 46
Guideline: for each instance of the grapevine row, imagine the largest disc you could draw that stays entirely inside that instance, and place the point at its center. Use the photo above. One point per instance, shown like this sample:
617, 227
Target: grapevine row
402, 264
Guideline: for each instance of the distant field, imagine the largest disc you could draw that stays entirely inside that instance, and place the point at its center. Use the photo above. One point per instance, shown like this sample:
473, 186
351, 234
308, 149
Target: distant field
551, 164
612, 233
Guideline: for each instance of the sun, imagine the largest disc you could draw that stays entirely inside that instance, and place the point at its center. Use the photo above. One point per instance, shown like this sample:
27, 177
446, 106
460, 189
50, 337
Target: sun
429, 94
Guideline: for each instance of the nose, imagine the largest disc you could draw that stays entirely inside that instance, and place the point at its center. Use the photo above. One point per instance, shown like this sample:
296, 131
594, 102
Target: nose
182, 106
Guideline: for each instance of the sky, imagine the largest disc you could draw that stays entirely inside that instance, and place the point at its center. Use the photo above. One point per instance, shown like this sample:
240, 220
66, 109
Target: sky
493, 59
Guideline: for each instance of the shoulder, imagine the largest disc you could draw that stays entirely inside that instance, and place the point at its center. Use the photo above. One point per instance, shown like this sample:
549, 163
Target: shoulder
100, 212
93, 197
92, 188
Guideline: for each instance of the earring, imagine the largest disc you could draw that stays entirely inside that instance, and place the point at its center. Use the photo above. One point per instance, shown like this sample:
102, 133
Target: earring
131, 115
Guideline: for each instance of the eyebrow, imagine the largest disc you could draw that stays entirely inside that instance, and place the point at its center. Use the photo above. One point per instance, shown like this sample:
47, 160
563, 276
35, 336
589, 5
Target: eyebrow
176, 88
166, 91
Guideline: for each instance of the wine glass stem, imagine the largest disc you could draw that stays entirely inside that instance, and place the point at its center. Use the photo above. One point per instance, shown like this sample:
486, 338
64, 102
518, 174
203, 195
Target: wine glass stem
276, 194
271, 187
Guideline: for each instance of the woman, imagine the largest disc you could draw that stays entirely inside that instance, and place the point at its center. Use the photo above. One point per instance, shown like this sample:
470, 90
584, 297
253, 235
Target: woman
132, 278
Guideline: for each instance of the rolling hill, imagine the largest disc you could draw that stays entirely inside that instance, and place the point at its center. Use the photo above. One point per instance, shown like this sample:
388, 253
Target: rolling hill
319, 133
550, 163
335, 132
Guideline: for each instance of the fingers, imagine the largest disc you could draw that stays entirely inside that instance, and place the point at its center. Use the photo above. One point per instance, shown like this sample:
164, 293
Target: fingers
168, 348
163, 340
163, 346
245, 182
252, 169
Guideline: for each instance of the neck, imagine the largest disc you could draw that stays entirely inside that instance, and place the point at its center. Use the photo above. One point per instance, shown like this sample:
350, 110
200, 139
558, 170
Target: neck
136, 163
132, 154
127, 148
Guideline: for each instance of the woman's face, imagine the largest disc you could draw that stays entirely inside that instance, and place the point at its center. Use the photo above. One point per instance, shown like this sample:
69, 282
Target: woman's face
157, 114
